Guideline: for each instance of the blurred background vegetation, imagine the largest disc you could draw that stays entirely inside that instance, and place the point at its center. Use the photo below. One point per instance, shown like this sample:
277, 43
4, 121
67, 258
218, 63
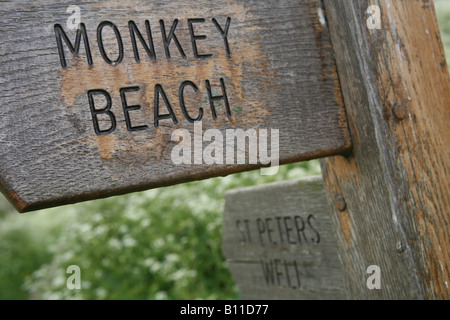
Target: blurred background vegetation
443, 14
158, 244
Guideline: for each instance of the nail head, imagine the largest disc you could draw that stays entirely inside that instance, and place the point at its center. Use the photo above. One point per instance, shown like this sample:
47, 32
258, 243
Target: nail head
340, 203
400, 111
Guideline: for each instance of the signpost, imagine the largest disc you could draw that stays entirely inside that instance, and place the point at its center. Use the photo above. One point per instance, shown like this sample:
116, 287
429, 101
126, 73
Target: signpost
280, 243
389, 198
109, 97
115, 97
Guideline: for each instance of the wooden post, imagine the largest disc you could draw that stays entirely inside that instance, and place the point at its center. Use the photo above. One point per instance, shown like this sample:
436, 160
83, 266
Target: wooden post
390, 198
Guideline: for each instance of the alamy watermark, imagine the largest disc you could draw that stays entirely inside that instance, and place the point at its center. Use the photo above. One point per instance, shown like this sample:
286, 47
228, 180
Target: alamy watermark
191, 150
73, 22
374, 21
74, 280
374, 280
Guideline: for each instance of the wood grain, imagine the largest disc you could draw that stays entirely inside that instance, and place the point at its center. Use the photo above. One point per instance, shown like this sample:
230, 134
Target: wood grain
396, 183
279, 242
278, 70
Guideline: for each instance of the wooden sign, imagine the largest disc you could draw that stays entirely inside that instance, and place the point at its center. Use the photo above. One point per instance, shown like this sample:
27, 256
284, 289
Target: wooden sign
109, 97
279, 242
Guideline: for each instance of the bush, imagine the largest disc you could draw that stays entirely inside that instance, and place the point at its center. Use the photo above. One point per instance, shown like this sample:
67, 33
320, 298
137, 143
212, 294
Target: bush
159, 244
443, 14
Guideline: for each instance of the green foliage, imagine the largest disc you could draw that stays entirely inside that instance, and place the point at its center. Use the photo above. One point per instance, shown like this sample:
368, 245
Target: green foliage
23, 248
159, 244
443, 14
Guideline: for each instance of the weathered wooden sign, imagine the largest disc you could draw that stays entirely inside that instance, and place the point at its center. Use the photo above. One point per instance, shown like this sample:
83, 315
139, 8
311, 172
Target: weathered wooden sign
109, 97
279, 242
